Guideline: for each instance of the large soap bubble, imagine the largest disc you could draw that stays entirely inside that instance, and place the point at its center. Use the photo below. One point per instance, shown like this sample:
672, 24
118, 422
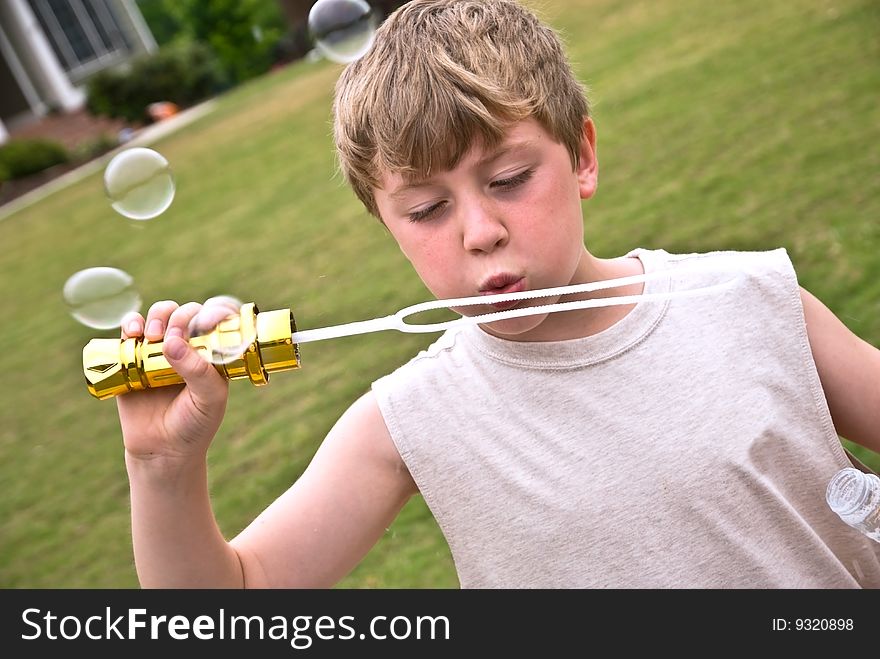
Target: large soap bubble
343, 30
100, 297
139, 183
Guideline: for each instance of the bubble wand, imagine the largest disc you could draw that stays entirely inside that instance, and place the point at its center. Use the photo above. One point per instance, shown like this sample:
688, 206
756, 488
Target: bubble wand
270, 340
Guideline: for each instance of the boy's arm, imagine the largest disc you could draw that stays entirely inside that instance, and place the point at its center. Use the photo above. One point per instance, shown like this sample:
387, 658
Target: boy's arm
312, 536
849, 369
317, 531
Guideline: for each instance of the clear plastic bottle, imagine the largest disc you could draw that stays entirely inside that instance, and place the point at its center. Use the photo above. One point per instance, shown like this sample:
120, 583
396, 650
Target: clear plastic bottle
855, 497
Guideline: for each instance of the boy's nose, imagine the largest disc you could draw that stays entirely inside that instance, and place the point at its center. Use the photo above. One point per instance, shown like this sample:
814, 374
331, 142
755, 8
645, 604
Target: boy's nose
483, 230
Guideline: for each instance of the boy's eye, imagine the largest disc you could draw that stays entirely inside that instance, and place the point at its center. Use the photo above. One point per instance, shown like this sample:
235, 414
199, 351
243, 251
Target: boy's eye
426, 213
513, 181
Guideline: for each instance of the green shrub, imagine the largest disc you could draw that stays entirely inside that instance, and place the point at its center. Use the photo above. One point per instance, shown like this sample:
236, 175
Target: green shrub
95, 147
242, 33
184, 73
23, 157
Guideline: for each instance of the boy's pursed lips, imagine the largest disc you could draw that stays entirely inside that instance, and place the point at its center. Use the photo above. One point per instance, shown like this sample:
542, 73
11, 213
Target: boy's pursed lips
500, 283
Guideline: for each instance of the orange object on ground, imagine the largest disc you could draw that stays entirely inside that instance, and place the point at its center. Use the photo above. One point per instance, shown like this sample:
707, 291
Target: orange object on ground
162, 110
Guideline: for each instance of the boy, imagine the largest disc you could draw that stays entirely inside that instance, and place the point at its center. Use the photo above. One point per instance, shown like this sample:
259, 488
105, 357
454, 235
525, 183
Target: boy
676, 444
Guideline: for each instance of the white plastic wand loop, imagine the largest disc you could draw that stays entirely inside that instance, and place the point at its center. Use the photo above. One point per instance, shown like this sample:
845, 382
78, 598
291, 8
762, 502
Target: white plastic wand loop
398, 322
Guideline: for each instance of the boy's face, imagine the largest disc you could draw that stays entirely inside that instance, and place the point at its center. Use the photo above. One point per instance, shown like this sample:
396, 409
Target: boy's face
501, 221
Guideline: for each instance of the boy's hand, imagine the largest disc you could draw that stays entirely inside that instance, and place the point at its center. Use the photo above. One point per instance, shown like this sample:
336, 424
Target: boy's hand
173, 424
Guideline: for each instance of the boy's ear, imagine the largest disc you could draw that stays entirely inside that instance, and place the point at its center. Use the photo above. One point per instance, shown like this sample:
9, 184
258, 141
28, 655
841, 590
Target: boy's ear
588, 166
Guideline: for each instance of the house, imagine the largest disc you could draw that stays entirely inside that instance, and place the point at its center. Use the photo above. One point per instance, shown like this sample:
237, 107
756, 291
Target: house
49, 48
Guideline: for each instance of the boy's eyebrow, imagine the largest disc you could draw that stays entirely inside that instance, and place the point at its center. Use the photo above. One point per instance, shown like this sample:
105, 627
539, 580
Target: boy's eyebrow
503, 150
497, 154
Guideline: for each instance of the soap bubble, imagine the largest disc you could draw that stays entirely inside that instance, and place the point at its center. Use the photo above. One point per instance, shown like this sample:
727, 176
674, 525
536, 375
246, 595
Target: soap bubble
343, 30
100, 297
139, 183
220, 331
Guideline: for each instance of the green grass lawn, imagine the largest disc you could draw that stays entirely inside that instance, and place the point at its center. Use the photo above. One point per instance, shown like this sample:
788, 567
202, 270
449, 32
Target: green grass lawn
729, 125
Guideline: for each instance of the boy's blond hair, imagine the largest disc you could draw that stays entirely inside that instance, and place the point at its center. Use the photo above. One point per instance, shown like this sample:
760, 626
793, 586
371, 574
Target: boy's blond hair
444, 75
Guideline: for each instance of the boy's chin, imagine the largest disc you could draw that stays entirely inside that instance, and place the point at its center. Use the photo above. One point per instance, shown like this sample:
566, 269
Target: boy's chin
514, 329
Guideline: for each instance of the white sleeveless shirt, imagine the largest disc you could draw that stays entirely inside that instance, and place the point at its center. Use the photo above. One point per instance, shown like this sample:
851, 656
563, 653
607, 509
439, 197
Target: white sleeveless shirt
687, 446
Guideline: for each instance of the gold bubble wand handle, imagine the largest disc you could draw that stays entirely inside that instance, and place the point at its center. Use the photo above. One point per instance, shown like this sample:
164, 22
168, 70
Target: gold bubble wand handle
113, 366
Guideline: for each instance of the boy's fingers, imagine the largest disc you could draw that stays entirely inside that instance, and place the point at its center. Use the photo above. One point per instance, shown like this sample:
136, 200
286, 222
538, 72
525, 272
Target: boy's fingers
178, 321
132, 324
157, 319
203, 380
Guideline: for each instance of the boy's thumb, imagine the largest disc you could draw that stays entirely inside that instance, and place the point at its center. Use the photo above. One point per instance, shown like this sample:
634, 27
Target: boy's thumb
199, 375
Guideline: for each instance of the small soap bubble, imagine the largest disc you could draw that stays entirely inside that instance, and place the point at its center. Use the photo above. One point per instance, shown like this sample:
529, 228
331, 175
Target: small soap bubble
100, 297
139, 183
220, 331
343, 30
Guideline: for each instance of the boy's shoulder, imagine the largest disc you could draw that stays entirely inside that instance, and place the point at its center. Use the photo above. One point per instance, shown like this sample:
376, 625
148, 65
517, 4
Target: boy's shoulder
741, 258
689, 269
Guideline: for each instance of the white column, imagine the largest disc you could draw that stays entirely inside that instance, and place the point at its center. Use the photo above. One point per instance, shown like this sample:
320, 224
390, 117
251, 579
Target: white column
20, 76
142, 31
4, 136
37, 57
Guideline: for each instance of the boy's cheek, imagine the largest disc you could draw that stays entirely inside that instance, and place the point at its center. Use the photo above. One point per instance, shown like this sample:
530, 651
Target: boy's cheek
441, 278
